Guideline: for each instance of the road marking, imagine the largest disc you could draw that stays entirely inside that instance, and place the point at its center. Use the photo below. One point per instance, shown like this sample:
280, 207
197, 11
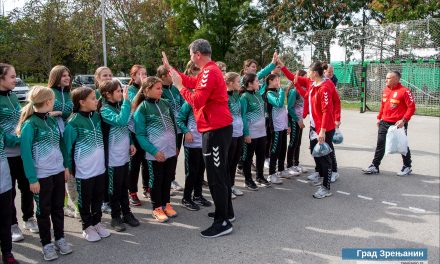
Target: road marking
417, 209
341, 192
389, 203
303, 181
365, 197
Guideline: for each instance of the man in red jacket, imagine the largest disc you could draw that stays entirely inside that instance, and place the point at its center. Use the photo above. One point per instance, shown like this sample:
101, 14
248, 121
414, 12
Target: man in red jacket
397, 108
209, 102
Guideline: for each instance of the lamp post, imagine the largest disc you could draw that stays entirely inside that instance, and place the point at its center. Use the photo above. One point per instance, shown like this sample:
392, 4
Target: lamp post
104, 44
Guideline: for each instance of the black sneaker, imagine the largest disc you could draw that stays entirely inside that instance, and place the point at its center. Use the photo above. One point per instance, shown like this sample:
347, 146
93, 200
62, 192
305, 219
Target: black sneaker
190, 205
8, 258
202, 201
251, 185
217, 230
117, 224
262, 182
130, 220
212, 215
371, 170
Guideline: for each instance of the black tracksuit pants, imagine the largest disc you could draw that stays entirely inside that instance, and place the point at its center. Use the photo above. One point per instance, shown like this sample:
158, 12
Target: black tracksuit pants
268, 139
27, 200
50, 203
136, 162
215, 145
117, 190
161, 176
5, 222
194, 172
234, 155
294, 147
257, 146
380, 147
324, 164
278, 151
90, 197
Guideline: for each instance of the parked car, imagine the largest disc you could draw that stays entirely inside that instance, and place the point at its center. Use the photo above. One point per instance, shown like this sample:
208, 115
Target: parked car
84, 80
21, 89
122, 80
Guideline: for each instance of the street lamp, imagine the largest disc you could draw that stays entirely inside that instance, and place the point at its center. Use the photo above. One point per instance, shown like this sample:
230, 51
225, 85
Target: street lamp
104, 44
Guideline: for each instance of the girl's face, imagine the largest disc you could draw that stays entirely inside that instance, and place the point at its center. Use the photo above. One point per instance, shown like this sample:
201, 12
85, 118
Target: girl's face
8, 82
116, 96
254, 85
252, 68
65, 79
49, 105
141, 74
105, 75
89, 104
275, 83
166, 79
234, 85
312, 74
155, 92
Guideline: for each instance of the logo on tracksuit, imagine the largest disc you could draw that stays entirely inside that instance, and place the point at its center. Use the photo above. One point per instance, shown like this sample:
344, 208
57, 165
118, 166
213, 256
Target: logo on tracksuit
216, 154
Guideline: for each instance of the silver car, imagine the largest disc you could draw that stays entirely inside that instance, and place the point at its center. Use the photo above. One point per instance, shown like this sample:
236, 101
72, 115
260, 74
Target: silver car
21, 89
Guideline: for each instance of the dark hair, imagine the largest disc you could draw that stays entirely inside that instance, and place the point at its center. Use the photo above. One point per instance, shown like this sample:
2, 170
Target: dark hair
107, 88
397, 73
56, 74
202, 46
162, 71
78, 94
317, 67
269, 78
4, 68
147, 84
248, 78
133, 71
302, 72
247, 63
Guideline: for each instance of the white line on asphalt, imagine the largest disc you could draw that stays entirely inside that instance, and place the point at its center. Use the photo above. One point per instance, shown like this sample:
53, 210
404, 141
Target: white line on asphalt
131, 242
389, 203
283, 189
303, 181
365, 197
417, 209
341, 192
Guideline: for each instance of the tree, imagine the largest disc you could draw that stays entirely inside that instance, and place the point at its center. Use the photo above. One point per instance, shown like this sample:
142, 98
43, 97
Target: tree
397, 11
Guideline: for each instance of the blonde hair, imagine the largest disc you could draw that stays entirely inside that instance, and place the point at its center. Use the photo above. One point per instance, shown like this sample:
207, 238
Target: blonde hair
98, 73
56, 74
231, 76
37, 97
191, 69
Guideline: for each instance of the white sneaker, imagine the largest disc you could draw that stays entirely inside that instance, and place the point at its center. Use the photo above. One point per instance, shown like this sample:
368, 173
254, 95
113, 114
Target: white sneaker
106, 209
274, 178
285, 174
49, 252
266, 163
335, 176
176, 186
233, 196
69, 211
31, 225
102, 232
322, 193
313, 177
62, 246
236, 191
90, 234
294, 171
405, 171
16, 233
303, 169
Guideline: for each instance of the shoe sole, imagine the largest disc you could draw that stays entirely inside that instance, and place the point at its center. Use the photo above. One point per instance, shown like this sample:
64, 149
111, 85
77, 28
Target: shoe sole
252, 189
161, 221
321, 197
119, 229
18, 240
135, 204
190, 209
406, 174
238, 194
49, 259
263, 185
63, 252
228, 231
92, 240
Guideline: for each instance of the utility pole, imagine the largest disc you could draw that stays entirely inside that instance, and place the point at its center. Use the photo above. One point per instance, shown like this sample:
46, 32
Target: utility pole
104, 42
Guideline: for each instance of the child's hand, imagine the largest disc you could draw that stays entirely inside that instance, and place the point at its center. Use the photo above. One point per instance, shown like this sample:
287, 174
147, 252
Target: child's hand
189, 137
66, 175
301, 124
35, 187
132, 150
125, 92
159, 156
247, 139
288, 131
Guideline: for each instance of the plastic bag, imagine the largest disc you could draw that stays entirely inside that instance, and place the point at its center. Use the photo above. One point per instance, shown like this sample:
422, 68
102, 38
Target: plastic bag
396, 141
338, 138
321, 150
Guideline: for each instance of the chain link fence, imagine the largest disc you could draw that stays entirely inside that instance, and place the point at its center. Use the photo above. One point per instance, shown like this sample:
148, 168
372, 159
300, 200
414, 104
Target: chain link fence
362, 56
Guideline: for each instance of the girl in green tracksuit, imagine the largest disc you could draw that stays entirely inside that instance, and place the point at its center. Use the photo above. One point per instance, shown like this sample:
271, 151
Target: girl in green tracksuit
115, 111
42, 151
86, 160
60, 81
156, 133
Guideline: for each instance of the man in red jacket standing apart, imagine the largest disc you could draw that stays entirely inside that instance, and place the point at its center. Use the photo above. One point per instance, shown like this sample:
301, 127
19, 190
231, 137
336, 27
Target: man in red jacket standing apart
397, 108
209, 101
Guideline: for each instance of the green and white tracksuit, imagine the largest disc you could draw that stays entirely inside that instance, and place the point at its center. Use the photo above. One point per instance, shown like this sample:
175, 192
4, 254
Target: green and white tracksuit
252, 112
187, 123
63, 102
173, 96
5, 176
9, 116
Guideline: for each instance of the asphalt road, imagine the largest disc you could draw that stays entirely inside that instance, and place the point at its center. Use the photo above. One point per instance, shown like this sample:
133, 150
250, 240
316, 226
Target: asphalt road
285, 224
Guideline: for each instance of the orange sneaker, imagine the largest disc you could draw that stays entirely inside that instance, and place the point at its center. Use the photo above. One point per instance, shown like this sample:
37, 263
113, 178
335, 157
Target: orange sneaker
169, 211
159, 214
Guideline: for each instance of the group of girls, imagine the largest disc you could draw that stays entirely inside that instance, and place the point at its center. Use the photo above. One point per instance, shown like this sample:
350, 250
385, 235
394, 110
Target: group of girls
83, 149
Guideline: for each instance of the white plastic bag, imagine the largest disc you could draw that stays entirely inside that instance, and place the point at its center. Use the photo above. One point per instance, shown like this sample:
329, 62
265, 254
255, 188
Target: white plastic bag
338, 138
321, 150
396, 141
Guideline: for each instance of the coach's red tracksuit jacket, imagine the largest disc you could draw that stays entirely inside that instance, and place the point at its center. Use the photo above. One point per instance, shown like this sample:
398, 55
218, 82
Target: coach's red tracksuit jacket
397, 103
209, 99
325, 98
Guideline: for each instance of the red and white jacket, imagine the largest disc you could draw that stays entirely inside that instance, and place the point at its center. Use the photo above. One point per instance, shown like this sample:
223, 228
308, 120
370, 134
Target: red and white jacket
397, 103
209, 99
